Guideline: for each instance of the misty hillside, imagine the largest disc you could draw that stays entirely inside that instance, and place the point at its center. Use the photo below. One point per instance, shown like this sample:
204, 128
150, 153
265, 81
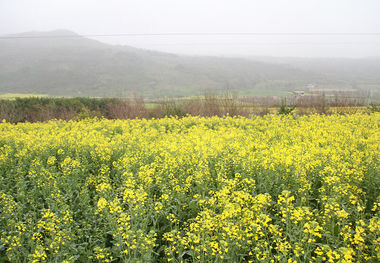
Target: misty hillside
354, 71
77, 66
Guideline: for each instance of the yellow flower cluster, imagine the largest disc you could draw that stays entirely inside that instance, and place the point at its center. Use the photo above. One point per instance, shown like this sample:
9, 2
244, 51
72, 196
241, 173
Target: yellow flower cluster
233, 189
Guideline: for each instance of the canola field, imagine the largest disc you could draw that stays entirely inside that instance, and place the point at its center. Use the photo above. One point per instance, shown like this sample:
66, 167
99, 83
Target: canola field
233, 189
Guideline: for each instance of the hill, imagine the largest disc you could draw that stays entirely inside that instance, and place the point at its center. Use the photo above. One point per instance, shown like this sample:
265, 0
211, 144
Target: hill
354, 73
78, 66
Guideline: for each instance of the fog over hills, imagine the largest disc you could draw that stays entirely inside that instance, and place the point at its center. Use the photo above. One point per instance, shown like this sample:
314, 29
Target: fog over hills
62, 63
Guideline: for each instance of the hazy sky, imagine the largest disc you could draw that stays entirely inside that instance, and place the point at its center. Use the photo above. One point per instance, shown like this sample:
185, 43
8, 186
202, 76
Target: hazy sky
209, 16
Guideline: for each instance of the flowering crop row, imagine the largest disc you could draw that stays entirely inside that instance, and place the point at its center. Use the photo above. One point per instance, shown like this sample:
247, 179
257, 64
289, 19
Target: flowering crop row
265, 189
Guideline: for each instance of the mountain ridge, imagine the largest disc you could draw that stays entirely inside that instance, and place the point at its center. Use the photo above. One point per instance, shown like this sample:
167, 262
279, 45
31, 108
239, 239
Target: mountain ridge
79, 66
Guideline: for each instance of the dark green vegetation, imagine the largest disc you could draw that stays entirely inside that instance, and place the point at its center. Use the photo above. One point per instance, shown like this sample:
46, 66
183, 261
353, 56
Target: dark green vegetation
35, 109
42, 109
76, 66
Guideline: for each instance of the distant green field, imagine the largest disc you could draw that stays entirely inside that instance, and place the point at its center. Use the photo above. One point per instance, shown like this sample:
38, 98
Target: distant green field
11, 96
267, 92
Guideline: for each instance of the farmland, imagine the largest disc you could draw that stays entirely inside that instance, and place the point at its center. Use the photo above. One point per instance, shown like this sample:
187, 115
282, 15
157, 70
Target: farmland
193, 189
